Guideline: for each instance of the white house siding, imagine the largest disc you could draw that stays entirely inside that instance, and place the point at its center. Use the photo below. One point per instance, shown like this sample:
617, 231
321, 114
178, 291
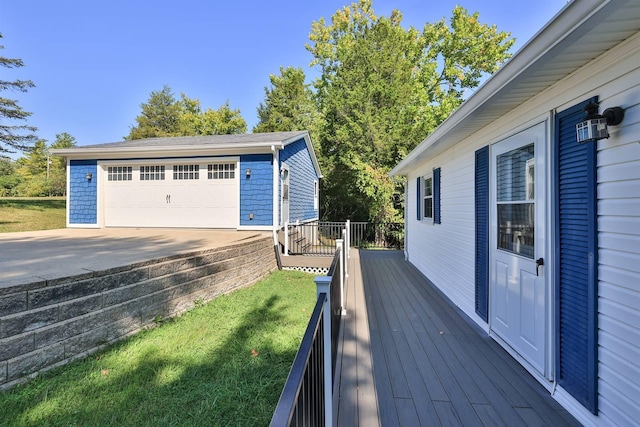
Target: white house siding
619, 254
445, 252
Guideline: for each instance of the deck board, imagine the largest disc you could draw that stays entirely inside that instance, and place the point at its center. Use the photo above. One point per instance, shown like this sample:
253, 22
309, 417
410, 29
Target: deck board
410, 358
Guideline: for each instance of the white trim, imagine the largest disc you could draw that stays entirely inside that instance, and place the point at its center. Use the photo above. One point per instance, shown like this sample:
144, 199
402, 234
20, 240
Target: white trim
284, 167
253, 227
275, 169
68, 172
575, 408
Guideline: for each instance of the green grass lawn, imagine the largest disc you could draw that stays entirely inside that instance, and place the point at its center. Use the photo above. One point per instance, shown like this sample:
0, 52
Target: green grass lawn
32, 213
221, 364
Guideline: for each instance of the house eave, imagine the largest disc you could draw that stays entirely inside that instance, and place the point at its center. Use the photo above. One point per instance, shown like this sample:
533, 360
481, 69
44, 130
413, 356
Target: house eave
166, 151
578, 34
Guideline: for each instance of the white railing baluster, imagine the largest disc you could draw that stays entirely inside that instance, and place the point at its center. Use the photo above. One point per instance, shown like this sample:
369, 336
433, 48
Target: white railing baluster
323, 285
286, 239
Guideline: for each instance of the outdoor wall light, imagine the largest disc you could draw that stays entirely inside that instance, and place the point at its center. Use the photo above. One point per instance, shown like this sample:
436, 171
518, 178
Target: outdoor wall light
248, 173
595, 126
89, 176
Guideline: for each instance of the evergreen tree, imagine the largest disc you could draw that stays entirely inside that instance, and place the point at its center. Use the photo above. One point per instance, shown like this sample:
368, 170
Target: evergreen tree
14, 137
163, 115
288, 104
159, 117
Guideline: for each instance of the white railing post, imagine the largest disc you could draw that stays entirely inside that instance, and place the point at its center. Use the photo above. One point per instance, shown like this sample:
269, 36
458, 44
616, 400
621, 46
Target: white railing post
348, 227
286, 238
345, 252
340, 272
323, 285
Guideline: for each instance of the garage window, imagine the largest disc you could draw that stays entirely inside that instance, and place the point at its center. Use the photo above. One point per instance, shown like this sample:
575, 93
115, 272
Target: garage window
221, 171
120, 173
151, 173
181, 172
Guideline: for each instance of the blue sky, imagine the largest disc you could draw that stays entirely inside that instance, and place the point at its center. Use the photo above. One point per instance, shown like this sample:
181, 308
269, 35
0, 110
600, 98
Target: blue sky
95, 62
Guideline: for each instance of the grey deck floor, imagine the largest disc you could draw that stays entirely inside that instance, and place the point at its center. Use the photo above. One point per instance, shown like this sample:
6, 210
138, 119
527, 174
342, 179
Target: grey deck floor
411, 359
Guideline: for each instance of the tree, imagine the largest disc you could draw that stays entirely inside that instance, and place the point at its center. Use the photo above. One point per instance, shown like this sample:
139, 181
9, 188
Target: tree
163, 115
159, 117
39, 174
57, 175
14, 137
382, 89
288, 104
9, 180
223, 121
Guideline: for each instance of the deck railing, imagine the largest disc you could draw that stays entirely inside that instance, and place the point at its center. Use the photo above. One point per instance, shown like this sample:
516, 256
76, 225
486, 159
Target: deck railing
307, 397
319, 237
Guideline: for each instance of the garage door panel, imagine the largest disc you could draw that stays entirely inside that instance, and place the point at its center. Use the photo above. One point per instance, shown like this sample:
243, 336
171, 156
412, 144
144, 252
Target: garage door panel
201, 203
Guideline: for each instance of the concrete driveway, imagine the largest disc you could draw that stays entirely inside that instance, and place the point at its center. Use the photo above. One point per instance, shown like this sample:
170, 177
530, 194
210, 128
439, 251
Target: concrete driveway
51, 254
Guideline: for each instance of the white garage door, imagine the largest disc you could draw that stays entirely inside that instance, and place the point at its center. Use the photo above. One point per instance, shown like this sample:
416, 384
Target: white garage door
201, 194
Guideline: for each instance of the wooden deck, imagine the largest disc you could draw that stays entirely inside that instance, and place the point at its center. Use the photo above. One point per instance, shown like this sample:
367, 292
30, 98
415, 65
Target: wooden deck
409, 358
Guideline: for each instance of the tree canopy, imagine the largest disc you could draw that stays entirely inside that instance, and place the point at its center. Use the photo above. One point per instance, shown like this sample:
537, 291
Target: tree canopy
36, 173
288, 104
164, 115
382, 89
14, 137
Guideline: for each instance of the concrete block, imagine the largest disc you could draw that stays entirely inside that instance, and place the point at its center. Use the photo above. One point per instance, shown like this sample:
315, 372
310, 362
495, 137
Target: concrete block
122, 327
13, 303
34, 361
57, 332
101, 317
79, 306
119, 295
27, 321
86, 341
3, 372
17, 345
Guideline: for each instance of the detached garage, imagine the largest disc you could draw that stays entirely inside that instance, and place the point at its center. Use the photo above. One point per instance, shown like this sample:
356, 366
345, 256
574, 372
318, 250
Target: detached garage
254, 181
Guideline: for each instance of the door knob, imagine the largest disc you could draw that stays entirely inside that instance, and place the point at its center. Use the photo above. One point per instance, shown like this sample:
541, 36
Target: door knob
539, 262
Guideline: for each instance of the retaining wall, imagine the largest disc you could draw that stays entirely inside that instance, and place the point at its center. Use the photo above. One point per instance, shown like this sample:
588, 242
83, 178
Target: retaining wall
50, 323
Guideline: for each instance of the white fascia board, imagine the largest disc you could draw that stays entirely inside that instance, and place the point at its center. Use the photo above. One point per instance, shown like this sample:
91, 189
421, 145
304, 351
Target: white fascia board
555, 33
170, 151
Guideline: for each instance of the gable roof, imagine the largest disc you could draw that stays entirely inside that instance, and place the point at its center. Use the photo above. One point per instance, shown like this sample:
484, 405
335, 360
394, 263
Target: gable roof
208, 145
579, 33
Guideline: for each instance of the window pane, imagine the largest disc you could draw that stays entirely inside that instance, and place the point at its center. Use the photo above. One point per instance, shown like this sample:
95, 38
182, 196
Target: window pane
428, 186
516, 228
515, 171
428, 207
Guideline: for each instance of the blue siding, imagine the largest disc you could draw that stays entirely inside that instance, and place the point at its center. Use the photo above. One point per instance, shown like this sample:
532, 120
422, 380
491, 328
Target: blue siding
576, 262
302, 175
482, 232
256, 191
83, 193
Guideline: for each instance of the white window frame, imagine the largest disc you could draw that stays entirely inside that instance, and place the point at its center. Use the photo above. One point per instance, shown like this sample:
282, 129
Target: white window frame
120, 173
152, 172
316, 191
186, 172
221, 170
426, 196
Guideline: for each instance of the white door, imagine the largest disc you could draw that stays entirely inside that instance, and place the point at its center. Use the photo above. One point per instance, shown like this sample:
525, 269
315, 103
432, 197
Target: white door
285, 194
176, 194
518, 289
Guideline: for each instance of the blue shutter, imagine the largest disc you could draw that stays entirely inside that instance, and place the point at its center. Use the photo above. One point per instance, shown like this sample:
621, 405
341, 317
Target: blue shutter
576, 261
436, 196
482, 232
418, 198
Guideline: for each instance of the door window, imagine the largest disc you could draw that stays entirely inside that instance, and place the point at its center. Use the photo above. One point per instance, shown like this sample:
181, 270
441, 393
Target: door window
515, 201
